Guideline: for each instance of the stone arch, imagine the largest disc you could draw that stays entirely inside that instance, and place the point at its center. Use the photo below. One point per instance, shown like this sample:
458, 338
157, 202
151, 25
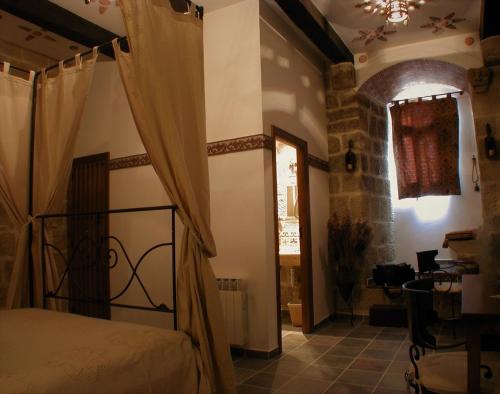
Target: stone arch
386, 84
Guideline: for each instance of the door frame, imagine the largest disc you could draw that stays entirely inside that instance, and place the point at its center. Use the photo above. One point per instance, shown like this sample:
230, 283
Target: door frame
306, 290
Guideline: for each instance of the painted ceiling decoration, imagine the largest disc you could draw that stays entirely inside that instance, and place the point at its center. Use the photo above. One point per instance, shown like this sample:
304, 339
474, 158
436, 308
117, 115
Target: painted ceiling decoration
352, 19
439, 24
43, 44
369, 36
36, 33
104, 4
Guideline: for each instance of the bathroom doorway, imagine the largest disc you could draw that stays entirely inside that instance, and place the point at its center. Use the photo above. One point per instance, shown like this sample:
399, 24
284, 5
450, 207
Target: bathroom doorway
292, 234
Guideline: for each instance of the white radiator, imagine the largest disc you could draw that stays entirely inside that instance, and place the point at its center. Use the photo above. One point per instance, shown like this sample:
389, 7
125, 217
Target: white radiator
234, 306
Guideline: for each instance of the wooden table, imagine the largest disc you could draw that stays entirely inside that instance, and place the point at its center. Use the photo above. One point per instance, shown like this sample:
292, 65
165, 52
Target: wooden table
481, 313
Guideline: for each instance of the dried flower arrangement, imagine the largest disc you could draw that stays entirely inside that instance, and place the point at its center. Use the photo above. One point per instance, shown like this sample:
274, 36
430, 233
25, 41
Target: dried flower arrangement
348, 242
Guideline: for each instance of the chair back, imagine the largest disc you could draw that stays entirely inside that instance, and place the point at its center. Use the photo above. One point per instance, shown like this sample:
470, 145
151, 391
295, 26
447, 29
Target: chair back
419, 302
426, 261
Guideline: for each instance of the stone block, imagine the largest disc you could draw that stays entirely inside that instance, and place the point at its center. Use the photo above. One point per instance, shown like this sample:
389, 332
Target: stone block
348, 98
344, 126
377, 148
343, 113
332, 100
337, 163
361, 142
342, 76
364, 162
386, 213
382, 129
368, 182
360, 206
374, 209
372, 129
339, 205
375, 168
334, 184
352, 183
333, 145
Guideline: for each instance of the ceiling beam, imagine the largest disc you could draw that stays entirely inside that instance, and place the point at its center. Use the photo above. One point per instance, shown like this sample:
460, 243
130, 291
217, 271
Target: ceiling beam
315, 26
490, 11
60, 21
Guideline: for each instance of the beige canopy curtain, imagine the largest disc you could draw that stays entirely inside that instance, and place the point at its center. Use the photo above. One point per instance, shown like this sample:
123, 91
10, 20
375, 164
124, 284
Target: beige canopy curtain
60, 104
163, 78
15, 114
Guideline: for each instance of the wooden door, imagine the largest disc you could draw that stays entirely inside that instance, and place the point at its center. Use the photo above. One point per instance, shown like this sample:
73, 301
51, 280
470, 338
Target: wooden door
306, 289
87, 235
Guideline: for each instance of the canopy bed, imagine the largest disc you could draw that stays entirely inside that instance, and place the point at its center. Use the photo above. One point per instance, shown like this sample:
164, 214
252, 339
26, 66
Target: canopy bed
49, 351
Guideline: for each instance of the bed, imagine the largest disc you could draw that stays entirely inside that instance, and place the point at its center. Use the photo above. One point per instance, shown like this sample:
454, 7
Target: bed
43, 351
48, 352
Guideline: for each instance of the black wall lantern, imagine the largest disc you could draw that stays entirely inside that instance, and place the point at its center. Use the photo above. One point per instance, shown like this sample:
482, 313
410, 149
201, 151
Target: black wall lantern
350, 158
490, 144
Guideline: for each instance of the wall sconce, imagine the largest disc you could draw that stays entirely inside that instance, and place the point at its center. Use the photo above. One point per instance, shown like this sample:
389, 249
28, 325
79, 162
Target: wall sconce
350, 158
490, 144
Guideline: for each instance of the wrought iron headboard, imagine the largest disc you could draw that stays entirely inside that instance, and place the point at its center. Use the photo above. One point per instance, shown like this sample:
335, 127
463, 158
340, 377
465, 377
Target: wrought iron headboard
112, 254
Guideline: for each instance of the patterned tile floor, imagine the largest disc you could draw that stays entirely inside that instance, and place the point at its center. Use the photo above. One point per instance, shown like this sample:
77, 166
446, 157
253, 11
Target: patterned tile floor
337, 358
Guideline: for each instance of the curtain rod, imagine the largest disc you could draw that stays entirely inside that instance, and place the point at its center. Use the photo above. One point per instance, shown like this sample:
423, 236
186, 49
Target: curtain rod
16, 68
87, 52
433, 96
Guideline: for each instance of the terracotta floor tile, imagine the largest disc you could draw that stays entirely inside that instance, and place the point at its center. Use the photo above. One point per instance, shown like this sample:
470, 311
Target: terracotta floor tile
243, 374
354, 376
253, 363
246, 389
333, 361
343, 388
378, 354
322, 372
301, 385
368, 364
393, 381
349, 351
268, 380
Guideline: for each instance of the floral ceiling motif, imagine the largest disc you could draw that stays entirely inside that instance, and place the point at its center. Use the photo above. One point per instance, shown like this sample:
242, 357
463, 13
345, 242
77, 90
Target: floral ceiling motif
438, 24
379, 33
104, 4
36, 33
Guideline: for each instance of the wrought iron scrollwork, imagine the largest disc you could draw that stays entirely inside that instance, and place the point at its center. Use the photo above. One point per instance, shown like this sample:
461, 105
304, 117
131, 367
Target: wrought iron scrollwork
98, 254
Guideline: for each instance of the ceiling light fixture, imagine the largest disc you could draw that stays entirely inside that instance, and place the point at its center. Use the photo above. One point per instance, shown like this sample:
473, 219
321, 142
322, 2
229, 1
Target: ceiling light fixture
396, 11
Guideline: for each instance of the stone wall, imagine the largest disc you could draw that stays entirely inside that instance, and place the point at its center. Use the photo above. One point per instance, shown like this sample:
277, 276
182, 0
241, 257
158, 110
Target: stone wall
7, 250
486, 108
364, 193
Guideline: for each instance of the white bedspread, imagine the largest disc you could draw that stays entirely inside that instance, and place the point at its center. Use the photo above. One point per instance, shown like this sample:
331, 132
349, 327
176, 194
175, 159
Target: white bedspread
53, 352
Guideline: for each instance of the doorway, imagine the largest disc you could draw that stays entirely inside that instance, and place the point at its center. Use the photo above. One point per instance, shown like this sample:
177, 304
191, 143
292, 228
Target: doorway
292, 234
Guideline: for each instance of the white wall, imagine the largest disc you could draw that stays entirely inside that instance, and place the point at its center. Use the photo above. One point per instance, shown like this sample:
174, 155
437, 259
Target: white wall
107, 126
293, 98
242, 220
420, 224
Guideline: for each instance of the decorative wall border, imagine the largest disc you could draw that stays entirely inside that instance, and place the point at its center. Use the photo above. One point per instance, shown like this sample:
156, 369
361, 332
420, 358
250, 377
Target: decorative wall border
318, 163
129, 162
242, 144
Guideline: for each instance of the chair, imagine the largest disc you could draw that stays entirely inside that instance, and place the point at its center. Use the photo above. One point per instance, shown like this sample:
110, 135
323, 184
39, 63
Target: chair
436, 372
427, 266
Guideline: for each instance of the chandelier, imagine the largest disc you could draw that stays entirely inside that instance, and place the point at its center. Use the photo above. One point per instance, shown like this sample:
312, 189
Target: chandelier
394, 11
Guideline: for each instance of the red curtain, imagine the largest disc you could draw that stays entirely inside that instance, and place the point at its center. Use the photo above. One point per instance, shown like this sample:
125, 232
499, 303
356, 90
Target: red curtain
425, 142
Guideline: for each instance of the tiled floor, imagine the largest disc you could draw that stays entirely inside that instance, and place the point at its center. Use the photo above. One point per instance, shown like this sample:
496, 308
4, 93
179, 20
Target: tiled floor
338, 359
